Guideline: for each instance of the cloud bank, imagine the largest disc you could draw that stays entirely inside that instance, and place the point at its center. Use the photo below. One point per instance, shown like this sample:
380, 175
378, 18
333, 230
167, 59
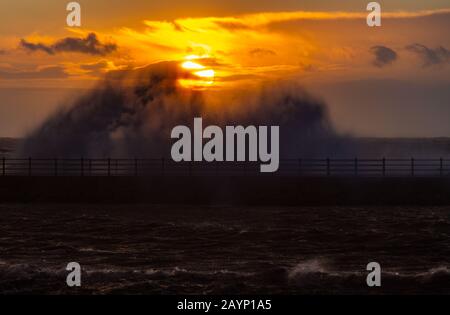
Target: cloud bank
51, 72
429, 56
383, 56
89, 45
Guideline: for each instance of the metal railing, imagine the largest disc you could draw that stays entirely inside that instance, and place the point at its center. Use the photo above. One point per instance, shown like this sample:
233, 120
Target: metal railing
166, 167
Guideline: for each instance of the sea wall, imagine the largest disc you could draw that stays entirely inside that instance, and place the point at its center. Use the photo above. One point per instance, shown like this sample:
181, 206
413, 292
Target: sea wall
246, 190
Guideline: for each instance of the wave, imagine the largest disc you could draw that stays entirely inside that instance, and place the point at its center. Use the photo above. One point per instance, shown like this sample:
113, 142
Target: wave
319, 271
316, 275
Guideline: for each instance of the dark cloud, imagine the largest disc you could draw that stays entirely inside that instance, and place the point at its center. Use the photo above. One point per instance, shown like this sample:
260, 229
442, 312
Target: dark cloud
53, 72
429, 56
262, 52
383, 56
178, 27
154, 28
2, 52
232, 26
35, 47
89, 45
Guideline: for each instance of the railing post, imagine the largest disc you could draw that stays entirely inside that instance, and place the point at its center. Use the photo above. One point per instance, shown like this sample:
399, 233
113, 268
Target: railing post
412, 167
4, 166
109, 166
82, 167
441, 167
90, 167
56, 167
356, 166
135, 167
328, 167
29, 166
384, 167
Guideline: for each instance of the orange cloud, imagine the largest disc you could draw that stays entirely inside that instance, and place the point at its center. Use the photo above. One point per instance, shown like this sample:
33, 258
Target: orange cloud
253, 46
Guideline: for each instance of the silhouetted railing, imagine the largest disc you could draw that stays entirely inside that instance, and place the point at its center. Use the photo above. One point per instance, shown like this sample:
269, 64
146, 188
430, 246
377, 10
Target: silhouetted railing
167, 167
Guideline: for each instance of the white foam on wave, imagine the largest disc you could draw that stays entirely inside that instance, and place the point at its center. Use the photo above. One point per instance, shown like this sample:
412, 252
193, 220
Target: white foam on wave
312, 266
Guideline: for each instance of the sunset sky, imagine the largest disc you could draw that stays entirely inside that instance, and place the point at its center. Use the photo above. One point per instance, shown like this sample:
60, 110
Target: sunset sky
388, 81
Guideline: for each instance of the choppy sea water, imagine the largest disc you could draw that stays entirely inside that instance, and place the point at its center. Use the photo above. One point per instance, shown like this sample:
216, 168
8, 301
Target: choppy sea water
148, 249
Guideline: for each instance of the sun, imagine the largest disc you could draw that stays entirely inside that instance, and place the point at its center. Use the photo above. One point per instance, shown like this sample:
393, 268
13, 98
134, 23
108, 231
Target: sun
201, 76
190, 65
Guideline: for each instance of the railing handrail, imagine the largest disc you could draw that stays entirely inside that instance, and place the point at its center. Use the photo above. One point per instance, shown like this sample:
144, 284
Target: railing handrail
356, 166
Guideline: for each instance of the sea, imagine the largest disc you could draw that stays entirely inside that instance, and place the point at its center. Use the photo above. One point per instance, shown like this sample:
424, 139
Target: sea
223, 249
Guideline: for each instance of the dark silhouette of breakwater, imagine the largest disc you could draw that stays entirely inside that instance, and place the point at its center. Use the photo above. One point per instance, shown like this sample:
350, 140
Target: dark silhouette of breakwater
161, 181
221, 190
